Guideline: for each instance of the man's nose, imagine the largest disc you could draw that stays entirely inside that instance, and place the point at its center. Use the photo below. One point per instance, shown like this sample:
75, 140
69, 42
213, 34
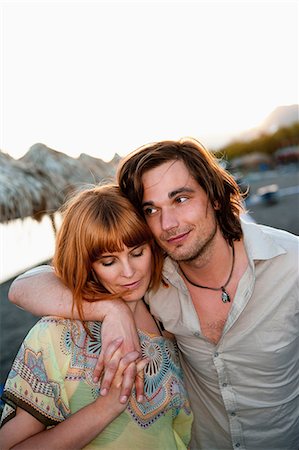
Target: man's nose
168, 219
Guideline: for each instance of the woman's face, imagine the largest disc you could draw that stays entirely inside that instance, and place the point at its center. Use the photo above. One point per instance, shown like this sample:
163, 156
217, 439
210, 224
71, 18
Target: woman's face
129, 269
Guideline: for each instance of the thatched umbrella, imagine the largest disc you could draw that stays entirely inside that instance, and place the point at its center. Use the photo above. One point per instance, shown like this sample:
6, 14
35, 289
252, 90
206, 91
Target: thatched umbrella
98, 169
74, 172
56, 166
24, 192
40, 181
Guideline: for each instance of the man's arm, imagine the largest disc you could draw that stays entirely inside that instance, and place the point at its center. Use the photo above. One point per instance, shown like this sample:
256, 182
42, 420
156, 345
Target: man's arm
42, 293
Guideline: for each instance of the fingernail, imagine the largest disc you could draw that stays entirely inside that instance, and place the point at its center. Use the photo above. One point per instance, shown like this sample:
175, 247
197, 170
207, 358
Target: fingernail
95, 379
140, 398
104, 391
123, 399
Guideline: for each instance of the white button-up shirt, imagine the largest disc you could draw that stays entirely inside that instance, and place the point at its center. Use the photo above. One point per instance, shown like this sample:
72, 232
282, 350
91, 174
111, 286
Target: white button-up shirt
244, 391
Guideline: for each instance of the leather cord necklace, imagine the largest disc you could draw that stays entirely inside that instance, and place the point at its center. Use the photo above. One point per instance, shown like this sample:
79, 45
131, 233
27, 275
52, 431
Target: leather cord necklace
224, 295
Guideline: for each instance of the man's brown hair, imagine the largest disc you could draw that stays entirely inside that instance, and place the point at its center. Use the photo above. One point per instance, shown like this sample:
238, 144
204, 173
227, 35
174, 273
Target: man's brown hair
220, 187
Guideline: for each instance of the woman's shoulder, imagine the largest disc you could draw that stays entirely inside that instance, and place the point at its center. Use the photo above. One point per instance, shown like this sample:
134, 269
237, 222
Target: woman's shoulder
49, 328
53, 324
157, 346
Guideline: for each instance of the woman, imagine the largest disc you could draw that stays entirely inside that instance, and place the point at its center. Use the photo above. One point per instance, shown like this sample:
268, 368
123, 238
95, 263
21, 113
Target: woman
103, 250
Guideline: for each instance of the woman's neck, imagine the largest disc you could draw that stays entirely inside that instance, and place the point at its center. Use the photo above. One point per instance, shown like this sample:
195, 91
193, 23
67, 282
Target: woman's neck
144, 320
133, 305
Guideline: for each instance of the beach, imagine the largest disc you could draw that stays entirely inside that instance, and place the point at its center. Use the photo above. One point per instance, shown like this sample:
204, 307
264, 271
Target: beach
283, 214
14, 323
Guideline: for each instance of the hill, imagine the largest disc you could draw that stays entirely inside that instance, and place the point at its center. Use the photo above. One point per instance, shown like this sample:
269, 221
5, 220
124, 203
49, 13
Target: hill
280, 117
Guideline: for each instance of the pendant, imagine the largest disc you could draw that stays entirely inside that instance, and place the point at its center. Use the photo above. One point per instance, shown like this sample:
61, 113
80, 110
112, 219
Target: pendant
224, 296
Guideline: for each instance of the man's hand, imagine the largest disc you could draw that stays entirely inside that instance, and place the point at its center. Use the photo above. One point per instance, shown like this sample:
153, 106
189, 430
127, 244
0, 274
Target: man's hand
117, 404
119, 338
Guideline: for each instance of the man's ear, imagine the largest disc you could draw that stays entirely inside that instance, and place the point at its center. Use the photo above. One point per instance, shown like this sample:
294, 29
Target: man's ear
216, 205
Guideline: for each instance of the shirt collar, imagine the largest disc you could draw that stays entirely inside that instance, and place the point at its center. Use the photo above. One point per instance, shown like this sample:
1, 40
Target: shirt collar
259, 242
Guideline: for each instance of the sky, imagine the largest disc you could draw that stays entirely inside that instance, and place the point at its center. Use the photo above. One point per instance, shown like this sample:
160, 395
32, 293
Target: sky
102, 78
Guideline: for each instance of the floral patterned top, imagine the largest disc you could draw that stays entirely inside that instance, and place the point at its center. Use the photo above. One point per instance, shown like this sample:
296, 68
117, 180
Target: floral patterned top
52, 378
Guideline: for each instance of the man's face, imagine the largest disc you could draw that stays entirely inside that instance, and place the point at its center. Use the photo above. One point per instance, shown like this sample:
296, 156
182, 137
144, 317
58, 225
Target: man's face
178, 211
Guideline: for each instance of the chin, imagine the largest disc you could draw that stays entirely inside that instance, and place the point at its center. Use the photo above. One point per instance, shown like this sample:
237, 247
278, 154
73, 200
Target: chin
178, 255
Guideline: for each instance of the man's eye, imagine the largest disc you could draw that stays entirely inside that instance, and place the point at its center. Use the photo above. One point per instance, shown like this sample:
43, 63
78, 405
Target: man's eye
181, 199
149, 211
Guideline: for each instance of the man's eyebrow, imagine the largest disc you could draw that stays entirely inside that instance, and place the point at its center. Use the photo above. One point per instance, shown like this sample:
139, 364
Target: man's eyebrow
181, 190
149, 203
171, 195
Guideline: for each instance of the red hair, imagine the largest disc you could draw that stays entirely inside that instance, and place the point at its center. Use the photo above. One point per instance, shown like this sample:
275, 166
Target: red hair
97, 220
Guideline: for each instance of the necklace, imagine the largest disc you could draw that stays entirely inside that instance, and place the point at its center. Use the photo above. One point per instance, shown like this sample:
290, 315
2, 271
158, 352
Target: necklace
224, 295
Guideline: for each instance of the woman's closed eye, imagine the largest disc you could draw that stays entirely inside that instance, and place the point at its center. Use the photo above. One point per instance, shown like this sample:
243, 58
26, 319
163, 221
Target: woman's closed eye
137, 252
106, 262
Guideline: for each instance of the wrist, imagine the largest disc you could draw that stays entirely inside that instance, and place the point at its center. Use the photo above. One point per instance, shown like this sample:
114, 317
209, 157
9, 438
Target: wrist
111, 407
100, 309
116, 306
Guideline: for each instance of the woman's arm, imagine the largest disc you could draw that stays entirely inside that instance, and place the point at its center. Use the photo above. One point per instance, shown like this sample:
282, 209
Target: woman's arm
24, 432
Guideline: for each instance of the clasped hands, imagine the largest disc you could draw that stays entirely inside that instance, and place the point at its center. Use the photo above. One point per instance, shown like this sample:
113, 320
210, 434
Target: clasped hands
120, 364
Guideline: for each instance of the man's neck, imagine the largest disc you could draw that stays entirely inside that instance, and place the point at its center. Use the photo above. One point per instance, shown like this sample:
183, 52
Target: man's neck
212, 266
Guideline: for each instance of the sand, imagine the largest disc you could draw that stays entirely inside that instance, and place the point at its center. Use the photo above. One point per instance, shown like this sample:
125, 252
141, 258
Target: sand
14, 325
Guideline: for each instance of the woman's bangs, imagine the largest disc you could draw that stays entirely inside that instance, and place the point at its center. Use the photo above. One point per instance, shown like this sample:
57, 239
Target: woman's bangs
127, 230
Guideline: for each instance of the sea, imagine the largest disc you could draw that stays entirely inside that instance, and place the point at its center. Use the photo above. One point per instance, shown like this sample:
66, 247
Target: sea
25, 243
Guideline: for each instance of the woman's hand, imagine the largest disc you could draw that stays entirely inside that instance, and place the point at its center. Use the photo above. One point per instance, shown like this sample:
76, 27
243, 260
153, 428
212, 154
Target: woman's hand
113, 398
25, 432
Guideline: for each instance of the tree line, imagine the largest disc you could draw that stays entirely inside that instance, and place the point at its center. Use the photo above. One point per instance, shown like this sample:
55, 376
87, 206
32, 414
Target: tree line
265, 143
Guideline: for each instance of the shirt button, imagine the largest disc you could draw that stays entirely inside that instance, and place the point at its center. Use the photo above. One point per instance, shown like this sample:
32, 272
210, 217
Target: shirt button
196, 334
216, 354
233, 414
238, 444
224, 384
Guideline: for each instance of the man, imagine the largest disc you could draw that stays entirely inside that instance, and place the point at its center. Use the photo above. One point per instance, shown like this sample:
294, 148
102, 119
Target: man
231, 297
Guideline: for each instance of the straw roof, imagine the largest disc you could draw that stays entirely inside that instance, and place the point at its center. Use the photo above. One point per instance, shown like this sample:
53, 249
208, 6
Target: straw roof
24, 191
97, 168
39, 182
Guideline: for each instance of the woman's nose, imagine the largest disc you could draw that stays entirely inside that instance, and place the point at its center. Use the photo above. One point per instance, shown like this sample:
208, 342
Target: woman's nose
128, 269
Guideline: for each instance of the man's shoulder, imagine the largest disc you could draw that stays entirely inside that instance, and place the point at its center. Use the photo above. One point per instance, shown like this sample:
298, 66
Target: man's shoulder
263, 242
255, 233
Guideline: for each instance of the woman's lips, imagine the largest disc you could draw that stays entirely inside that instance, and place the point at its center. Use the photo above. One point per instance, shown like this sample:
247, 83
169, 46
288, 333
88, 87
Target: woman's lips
133, 285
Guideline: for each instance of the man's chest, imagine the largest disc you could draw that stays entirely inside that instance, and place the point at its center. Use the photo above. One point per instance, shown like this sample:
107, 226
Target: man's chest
212, 313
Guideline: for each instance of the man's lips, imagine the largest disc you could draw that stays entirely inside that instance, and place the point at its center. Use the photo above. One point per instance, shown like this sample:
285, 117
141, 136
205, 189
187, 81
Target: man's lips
177, 238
